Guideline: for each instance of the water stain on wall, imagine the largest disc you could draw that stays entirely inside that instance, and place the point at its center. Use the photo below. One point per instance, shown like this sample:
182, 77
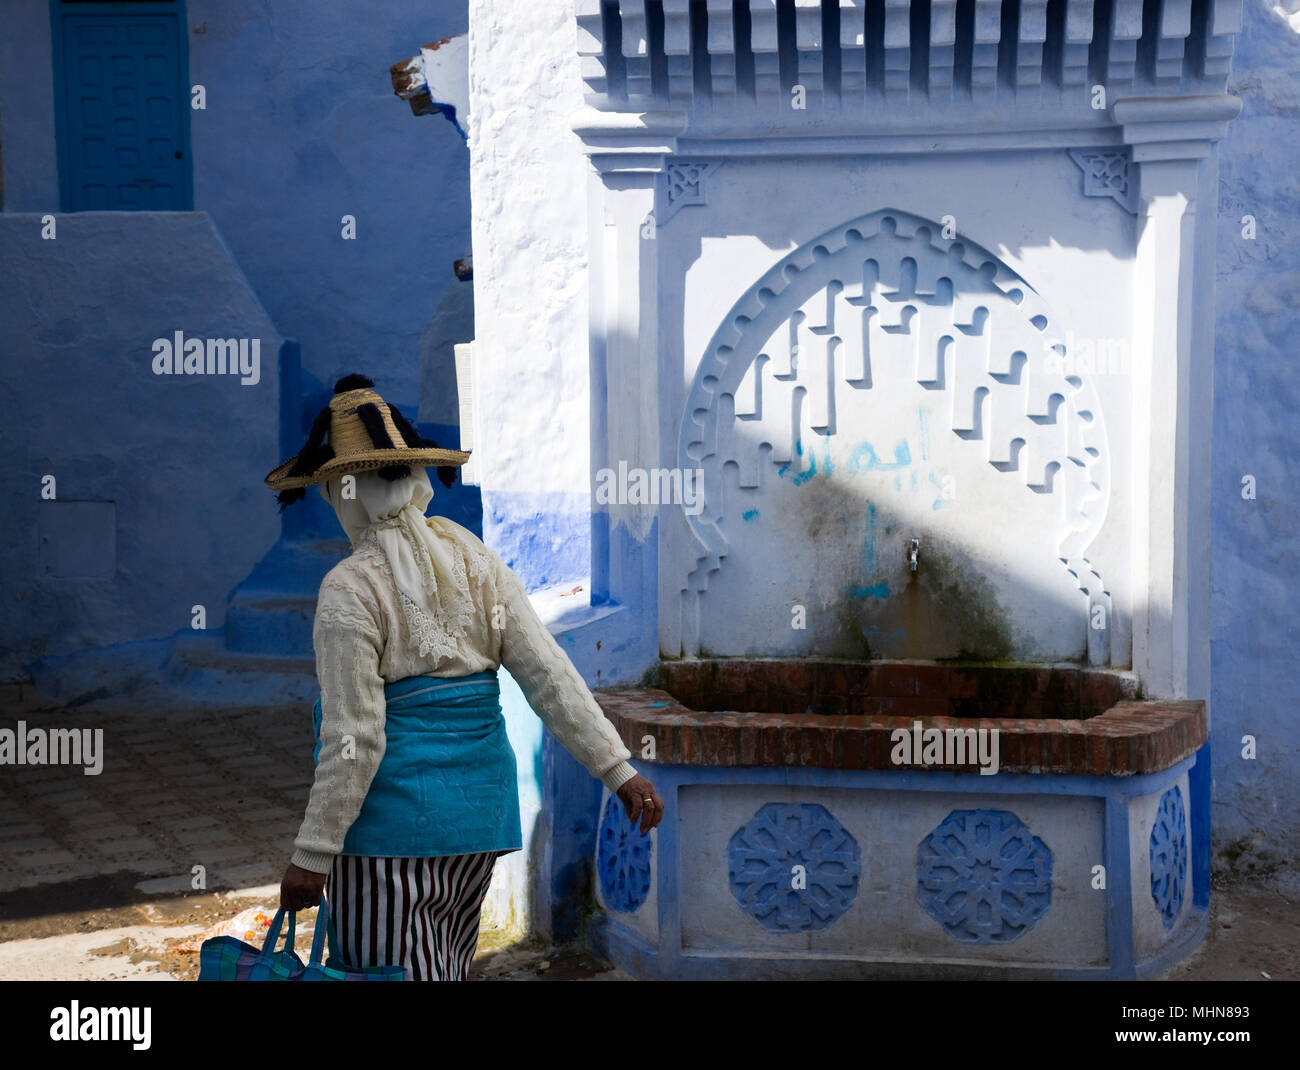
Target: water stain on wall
944, 610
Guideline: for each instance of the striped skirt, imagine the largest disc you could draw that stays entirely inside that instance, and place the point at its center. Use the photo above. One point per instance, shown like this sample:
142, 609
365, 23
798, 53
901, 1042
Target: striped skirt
421, 913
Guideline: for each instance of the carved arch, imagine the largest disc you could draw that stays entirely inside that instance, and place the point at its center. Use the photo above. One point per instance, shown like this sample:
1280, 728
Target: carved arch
980, 332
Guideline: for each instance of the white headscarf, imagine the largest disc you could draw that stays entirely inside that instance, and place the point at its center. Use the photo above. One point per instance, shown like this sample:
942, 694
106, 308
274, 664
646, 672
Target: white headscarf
425, 554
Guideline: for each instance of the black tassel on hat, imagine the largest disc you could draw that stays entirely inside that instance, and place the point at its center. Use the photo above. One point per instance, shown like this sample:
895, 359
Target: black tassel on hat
314, 454
352, 382
316, 451
446, 473
374, 422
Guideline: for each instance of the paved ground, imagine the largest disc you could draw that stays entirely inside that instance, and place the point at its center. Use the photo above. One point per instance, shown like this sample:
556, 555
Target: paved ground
220, 790
1254, 934
98, 874
138, 943
98, 877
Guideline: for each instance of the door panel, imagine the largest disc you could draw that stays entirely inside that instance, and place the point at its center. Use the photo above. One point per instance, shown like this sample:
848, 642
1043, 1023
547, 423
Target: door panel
124, 129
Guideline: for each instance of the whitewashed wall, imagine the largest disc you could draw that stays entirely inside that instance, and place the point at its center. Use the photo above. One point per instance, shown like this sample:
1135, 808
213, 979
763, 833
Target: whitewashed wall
528, 181
527, 185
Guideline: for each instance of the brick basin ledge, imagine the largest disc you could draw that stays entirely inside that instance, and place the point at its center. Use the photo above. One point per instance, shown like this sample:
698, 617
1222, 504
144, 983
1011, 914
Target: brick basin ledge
1127, 737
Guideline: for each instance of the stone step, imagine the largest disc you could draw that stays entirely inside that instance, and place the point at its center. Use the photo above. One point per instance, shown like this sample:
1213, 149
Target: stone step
202, 666
293, 567
197, 650
274, 627
271, 612
189, 670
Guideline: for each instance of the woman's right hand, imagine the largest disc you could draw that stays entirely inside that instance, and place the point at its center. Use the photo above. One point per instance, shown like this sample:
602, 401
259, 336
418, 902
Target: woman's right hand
640, 800
300, 889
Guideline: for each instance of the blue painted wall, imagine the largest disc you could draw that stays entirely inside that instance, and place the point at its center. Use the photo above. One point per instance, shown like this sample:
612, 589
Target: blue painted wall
27, 123
160, 504
301, 128
1256, 555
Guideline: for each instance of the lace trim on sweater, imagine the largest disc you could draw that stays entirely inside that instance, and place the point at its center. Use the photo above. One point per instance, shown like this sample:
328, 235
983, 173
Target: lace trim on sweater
437, 634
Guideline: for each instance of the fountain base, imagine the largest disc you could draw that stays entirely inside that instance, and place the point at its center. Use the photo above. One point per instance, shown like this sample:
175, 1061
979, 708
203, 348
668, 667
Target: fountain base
796, 845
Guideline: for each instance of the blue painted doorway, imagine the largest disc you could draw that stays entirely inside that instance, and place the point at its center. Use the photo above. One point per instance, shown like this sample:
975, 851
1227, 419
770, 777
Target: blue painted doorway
121, 74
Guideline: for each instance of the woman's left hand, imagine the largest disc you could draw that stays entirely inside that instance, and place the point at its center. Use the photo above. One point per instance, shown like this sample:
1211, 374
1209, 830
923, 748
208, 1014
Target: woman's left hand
301, 888
641, 800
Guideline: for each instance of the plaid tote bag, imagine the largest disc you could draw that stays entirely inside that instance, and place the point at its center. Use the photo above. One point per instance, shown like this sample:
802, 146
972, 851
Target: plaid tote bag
224, 958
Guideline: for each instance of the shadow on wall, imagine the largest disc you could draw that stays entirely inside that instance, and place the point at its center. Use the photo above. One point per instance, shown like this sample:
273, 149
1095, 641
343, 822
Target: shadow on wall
882, 385
134, 494
1256, 540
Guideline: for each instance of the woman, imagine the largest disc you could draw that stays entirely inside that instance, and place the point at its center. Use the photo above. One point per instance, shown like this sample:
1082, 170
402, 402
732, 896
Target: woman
415, 794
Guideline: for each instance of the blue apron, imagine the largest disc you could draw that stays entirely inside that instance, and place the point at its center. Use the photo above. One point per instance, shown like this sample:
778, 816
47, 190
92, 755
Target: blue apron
447, 784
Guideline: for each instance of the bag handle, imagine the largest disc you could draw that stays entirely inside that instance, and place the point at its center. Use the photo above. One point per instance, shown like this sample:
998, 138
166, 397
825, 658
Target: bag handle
262, 967
273, 934
324, 928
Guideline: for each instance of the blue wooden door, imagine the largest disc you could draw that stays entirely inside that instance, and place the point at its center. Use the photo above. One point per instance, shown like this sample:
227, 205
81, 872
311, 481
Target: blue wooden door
120, 76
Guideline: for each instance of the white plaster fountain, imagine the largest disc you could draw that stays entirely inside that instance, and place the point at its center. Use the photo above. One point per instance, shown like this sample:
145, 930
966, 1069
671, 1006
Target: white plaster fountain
925, 294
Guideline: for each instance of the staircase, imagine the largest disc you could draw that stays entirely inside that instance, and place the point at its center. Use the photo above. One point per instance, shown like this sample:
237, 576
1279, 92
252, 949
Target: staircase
263, 655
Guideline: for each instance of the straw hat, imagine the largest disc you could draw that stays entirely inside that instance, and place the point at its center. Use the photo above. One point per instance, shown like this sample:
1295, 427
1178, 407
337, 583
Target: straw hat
364, 433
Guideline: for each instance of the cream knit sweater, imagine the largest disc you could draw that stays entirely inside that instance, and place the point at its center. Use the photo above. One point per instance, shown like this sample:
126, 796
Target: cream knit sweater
362, 640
